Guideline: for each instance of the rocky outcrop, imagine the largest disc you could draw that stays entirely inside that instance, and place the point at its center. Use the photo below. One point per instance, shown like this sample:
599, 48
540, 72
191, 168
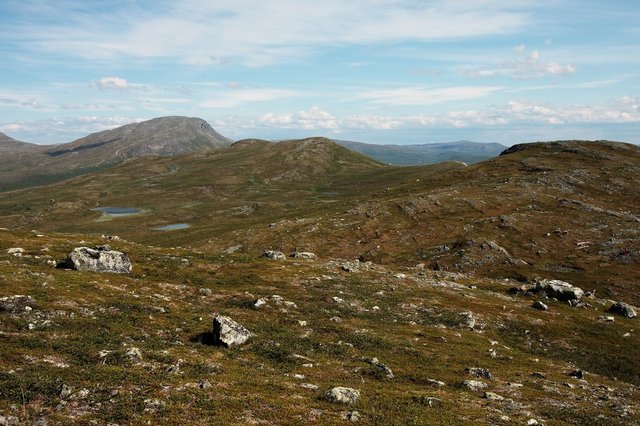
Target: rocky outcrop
227, 332
559, 290
100, 259
623, 309
343, 395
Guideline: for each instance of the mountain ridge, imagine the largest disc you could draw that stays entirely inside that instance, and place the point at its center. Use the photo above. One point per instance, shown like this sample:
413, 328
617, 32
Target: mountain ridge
27, 164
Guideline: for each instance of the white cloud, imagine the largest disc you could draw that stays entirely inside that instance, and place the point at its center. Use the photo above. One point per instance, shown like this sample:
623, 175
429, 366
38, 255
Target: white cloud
117, 84
426, 96
255, 32
112, 83
238, 97
524, 66
513, 113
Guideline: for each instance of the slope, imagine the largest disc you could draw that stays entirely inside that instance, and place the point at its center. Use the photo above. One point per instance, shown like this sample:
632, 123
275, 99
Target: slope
27, 165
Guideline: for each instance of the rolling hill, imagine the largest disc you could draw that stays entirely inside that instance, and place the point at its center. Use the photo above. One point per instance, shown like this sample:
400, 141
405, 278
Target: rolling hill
421, 298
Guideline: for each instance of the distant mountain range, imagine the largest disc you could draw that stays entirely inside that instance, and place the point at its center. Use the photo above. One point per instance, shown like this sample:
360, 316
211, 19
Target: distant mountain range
25, 164
466, 151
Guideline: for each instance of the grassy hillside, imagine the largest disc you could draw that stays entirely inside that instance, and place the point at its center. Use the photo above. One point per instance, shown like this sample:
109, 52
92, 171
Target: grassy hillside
440, 247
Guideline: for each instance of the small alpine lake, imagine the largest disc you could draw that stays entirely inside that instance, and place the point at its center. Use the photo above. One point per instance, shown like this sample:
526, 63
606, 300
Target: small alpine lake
173, 227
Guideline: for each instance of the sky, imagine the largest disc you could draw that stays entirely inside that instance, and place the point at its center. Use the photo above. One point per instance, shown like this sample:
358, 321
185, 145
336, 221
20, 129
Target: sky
377, 71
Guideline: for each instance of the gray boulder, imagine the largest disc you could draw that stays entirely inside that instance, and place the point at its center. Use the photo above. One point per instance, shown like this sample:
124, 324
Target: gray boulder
273, 254
474, 385
560, 290
99, 259
303, 255
343, 395
623, 309
229, 333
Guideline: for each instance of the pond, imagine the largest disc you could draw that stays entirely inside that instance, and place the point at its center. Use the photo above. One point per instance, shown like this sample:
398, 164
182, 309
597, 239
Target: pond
173, 227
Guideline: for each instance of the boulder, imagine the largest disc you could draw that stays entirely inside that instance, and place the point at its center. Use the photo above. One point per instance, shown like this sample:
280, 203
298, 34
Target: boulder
273, 254
381, 368
303, 255
560, 290
539, 306
479, 372
343, 395
474, 385
229, 333
623, 309
99, 259
16, 251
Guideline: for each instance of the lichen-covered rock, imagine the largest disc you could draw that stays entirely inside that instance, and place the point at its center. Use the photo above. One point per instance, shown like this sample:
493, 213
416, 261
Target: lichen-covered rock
474, 385
100, 259
229, 333
303, 255
560, 290
623, 309
343, 395
17, 303
273, 254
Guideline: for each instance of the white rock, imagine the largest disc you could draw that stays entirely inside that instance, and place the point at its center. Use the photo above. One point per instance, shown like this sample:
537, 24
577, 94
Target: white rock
343, 395
228, 332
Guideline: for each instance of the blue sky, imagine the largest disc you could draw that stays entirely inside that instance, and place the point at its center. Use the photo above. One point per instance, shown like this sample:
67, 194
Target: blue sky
380, 71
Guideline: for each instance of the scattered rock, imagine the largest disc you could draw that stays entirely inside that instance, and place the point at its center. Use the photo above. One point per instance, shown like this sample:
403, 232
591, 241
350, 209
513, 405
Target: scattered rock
9, 421
309, 386
578, 374
469, 320
382, 368
606, 318
479, 372
100, 259
350, 267
205, 291
352, 416
17, 303
474, 385
436, 382
16, 251
229, 333
259, 303
65, 392
273, 254
560, 290
429, 401
539, 375
539, 306
303, 255
623, 309
205, 384
134, 353
343, 395
493, 396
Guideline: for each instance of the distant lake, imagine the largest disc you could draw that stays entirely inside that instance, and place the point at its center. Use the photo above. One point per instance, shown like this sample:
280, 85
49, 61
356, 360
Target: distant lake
117, 211
173, 227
